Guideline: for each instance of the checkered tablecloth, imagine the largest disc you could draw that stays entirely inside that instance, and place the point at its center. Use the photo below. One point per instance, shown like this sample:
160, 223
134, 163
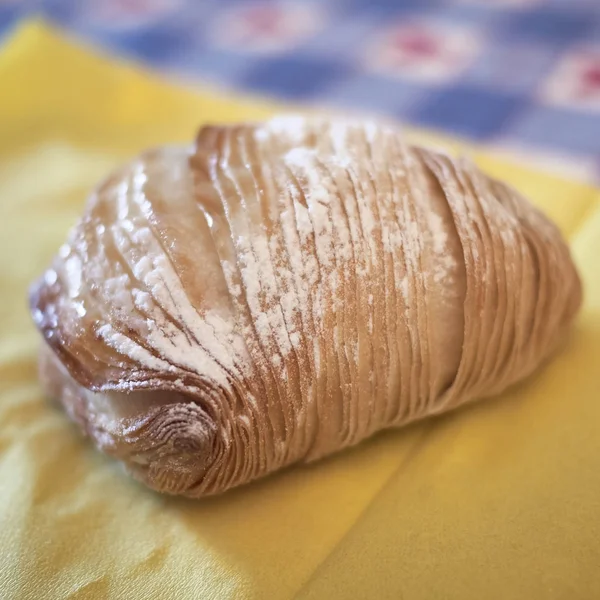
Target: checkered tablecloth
522, 75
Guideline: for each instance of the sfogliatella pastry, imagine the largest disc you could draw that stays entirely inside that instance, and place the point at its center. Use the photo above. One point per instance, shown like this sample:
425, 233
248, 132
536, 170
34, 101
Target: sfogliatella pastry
279, 291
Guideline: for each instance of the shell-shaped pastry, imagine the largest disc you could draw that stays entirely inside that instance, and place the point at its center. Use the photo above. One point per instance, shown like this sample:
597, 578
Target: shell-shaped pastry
280, 291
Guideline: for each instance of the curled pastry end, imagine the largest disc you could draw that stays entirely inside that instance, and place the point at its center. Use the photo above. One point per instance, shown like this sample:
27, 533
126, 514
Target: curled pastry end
165, 439
171, 448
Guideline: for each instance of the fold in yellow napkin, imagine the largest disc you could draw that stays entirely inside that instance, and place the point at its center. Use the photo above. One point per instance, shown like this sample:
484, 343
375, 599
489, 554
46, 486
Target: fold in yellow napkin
501, 500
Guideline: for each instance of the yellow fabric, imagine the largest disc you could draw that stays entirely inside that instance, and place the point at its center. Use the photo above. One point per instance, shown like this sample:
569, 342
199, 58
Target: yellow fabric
501, 500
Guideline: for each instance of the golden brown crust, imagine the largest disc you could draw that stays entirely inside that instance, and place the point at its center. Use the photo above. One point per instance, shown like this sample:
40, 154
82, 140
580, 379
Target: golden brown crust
283, 290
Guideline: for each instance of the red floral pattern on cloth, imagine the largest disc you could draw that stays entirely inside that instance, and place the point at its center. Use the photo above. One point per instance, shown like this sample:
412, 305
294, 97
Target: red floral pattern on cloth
266, 27
423, 51
576, 81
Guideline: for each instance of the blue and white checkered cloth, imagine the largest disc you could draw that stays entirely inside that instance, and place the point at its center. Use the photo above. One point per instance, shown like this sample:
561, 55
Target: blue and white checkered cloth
515, 74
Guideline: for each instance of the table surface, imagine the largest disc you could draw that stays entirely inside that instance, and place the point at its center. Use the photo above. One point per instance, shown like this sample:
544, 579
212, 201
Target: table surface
520, 75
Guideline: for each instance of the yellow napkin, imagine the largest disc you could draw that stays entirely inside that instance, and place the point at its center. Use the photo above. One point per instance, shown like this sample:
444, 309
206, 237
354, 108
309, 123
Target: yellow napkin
501, 500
